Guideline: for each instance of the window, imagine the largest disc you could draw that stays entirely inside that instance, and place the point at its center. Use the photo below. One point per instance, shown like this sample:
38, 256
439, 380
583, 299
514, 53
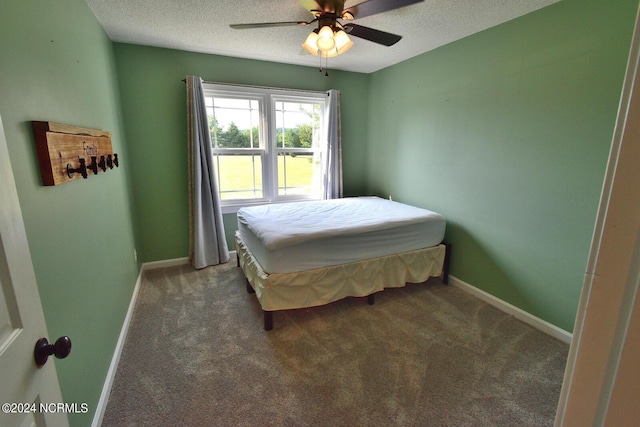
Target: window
267, 144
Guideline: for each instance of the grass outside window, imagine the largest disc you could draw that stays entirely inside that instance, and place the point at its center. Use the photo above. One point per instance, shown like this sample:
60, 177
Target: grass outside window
241, 176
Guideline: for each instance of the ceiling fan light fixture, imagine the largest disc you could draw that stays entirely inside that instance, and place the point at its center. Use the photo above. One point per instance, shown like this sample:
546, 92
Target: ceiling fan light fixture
311, 43
340, 40
343, 42
329, 54
325, 41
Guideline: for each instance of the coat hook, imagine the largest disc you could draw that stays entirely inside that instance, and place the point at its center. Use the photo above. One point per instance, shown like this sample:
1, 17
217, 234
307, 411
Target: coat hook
102, 164
82, 169
94, 165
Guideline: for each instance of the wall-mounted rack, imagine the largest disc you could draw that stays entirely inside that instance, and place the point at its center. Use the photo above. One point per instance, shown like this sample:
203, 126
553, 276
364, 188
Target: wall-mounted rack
68, 152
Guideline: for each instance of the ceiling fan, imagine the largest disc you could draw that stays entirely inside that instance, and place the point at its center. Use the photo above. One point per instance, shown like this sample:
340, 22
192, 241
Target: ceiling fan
330, 37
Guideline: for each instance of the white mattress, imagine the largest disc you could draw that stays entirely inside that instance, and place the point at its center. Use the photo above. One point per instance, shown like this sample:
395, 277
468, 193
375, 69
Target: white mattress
300, 236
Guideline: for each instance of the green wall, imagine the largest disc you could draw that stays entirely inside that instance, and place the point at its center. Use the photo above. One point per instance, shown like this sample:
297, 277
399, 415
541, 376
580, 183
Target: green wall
154, 106
57, 65
507, 133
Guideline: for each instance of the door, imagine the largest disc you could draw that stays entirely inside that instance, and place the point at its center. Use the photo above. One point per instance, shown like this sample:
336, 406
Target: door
27, 391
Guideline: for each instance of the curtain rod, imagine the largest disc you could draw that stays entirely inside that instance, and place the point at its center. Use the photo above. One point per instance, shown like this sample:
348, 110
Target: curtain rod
262, 87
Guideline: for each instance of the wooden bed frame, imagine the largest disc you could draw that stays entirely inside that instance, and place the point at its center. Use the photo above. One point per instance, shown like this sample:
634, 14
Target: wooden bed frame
245, 258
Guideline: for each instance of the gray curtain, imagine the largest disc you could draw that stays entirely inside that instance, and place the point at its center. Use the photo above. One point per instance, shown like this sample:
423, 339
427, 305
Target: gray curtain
332, 161
207, 240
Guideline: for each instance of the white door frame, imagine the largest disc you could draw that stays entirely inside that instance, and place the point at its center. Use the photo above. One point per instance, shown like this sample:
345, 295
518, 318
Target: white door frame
602, 379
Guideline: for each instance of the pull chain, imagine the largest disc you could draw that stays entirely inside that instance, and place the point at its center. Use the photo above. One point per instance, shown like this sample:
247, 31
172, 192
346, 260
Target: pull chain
326, 64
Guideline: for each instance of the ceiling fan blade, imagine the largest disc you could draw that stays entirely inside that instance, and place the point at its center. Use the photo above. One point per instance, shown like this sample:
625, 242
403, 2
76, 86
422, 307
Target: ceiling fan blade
268, 24
310, 5
376, 36
371, 7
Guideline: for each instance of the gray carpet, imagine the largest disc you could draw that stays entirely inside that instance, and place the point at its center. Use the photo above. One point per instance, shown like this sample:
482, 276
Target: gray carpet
424, 355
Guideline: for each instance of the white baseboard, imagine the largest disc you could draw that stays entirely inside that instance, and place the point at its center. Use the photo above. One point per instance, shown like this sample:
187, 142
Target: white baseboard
516, 312
163, 264
111, 374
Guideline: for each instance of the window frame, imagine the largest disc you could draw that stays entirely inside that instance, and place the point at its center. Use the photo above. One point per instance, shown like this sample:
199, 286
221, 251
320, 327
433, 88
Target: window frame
268, 150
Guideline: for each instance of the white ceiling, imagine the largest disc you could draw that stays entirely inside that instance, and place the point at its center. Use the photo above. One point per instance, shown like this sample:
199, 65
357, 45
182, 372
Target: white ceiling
203, 26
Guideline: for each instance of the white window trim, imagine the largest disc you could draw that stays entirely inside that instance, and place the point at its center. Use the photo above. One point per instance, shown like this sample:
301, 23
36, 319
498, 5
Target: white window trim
267, 99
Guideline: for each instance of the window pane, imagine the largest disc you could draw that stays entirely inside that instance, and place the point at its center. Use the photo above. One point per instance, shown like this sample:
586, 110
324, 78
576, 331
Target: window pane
239, 176
234, 123
298, 125
298, 174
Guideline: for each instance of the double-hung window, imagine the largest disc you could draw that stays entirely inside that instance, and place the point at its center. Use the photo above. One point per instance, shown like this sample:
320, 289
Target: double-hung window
268, 144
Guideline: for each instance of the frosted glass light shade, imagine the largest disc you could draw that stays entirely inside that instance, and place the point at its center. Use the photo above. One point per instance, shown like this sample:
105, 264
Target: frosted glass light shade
311, 43
325, 40
343, 42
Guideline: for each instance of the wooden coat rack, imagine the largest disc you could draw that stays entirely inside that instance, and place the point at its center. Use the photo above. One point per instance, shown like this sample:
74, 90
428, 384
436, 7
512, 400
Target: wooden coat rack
66, 153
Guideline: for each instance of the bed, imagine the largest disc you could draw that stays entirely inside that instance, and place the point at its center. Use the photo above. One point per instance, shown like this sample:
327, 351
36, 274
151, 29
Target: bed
305, 254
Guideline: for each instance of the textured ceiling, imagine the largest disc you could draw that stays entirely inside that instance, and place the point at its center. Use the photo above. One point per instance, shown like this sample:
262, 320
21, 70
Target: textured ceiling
203, 26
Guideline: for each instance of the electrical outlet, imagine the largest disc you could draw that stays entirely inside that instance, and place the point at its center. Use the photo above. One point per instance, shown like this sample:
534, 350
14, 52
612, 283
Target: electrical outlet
135, 255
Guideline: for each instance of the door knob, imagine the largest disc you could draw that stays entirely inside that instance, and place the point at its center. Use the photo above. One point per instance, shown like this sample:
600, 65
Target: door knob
43, 350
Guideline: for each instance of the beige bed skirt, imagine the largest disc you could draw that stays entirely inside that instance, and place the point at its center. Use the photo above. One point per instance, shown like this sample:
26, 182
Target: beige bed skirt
310, 288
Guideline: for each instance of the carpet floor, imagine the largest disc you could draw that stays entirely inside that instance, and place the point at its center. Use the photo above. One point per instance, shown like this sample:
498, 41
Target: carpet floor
427, 354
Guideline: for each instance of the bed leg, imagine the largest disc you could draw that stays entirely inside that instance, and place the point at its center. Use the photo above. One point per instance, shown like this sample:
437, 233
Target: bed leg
447, 263
371, 299
268, 320
250, 288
